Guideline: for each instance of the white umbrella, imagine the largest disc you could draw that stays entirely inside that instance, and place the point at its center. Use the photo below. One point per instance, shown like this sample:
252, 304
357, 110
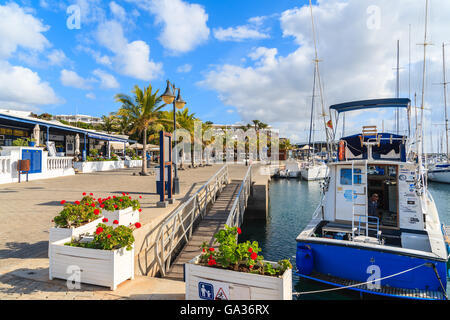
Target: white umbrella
77, 144
36, 134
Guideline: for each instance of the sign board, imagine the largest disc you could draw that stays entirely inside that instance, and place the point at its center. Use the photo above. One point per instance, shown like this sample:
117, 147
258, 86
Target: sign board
409, 209
213, 290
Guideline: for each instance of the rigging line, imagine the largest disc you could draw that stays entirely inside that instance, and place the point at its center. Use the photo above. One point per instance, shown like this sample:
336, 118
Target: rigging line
363, 283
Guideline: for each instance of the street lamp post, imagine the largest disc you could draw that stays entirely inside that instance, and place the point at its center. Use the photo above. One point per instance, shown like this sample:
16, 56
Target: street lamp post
169, 97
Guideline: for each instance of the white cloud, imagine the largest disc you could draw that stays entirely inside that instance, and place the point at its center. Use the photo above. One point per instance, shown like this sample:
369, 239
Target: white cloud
20, 29
21, 86
70, 78
56, 57
244, 32
90, 95
107, 81
184, 24
131, 58
357, 61
117, 11
185, 68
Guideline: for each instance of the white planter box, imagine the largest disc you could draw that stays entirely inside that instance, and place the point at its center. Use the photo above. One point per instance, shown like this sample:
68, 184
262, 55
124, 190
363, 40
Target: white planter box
106, 268
133, 163
125, 217
63, 233
236, 285
93, 166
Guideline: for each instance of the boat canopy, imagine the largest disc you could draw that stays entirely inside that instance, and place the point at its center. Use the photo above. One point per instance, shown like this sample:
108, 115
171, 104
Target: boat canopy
388, 142
370, 104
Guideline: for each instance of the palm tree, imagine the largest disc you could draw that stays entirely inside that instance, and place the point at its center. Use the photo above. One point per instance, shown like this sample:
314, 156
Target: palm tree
143, 110
186, 121
109, 123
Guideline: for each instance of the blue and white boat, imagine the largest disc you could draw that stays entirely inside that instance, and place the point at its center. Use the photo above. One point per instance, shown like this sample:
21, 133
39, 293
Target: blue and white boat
440, 173
399, 249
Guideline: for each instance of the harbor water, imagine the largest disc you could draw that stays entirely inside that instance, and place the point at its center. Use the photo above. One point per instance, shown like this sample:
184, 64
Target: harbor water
291, 205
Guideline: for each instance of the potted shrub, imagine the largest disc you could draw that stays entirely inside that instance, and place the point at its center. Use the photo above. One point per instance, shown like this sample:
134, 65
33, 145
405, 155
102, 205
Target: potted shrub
76, 218
105, 259
236, 271
120, 210
31, 142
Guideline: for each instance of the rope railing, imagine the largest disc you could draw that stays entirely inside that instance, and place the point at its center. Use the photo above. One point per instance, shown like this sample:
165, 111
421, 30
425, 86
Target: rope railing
236, 214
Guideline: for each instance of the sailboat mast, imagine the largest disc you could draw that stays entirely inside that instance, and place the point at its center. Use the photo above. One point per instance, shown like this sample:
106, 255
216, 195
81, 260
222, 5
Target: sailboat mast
397, 113
445, 99
316, 60
423, 86
312, 113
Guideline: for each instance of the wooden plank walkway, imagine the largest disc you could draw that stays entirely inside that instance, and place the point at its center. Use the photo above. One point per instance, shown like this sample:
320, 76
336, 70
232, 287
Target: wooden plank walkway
213, 221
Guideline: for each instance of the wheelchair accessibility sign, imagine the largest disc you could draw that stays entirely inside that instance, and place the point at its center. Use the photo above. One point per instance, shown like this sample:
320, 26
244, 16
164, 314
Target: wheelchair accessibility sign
213, 290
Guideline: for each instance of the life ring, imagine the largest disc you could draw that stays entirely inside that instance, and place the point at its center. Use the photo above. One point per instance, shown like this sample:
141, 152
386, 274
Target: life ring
341, 150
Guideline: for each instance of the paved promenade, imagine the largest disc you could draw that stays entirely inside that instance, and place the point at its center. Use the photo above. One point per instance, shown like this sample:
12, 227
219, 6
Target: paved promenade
28, 208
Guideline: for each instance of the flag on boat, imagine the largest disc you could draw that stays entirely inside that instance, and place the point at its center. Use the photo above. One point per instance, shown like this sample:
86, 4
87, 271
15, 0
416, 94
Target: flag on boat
330, 124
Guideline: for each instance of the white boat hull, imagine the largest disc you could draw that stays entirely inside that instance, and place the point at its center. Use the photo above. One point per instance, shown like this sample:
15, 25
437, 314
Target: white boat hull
439, 176
317, 172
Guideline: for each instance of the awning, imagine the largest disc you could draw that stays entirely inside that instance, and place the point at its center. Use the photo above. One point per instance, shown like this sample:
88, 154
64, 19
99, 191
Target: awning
117, 145
370, 104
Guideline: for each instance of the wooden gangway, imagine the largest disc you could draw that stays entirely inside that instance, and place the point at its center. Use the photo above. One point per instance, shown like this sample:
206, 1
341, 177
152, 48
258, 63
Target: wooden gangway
220, 201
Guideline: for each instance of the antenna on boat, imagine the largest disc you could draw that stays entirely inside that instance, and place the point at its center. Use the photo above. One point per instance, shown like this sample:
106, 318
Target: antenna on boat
316, 61
445, 99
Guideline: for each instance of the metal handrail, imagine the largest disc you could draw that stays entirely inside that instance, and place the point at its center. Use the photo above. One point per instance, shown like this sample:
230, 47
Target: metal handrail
236, 215
174, 229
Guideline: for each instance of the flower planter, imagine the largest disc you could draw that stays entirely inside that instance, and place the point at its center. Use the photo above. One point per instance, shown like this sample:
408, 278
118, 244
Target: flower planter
106, 268
94, 166
63, 233
125, 217
133, 163
234, 285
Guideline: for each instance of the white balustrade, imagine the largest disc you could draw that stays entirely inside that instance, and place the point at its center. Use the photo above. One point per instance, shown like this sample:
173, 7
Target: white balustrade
56, 163
5, 165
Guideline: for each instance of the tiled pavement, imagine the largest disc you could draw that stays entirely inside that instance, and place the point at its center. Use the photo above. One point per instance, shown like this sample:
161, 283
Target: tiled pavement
26, 212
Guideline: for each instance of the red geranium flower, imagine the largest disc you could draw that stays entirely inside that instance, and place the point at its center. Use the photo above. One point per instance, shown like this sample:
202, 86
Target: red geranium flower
250, 249
123, 193
92, 204
105, 220
91, 194
99, 230
121, 200
108, 236
250, 266
114, 197
239, 231
116, 206
63, 201
138, 225
116, 222
77, 202
129, 198
102, 205
253, 256
96, 211
84, 193
140, 197
211, 249
212, 262
140, 210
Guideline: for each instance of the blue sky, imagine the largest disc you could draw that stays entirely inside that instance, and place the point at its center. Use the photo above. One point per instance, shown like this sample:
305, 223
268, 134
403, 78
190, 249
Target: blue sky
235, 61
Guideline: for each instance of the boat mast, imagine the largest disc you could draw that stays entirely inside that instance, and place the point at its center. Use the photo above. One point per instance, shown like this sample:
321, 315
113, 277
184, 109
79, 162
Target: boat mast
445, 100
421, 171
312, 113
397, 111
316, 61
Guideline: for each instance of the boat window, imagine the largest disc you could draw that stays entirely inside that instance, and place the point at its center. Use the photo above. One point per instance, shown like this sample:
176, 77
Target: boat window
346, 177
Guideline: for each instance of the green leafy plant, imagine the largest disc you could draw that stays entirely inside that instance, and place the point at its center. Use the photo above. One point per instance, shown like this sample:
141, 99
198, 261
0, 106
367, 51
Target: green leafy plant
109, 238
77, 214
119, 203
236, 256
20, 142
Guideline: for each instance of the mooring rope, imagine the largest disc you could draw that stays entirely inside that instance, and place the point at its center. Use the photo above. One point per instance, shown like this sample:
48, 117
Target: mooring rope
367, 282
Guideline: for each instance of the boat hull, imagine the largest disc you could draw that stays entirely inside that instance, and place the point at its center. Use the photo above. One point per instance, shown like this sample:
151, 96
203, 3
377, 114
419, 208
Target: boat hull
315, 172
442, 176
358, 263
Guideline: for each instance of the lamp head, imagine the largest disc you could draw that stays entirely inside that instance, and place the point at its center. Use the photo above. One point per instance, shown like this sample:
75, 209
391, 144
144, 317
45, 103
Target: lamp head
179, 102
168, 95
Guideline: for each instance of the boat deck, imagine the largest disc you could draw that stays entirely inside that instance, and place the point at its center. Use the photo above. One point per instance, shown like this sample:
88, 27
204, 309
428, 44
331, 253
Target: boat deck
383, 291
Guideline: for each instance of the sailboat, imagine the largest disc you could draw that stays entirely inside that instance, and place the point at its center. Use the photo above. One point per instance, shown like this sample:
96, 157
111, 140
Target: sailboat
440, 172
314, 169
376, 229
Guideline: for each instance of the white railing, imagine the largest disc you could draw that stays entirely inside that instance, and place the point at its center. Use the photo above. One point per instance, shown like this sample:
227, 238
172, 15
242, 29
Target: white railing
236, 215
56, 163
179, 225
5, 165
